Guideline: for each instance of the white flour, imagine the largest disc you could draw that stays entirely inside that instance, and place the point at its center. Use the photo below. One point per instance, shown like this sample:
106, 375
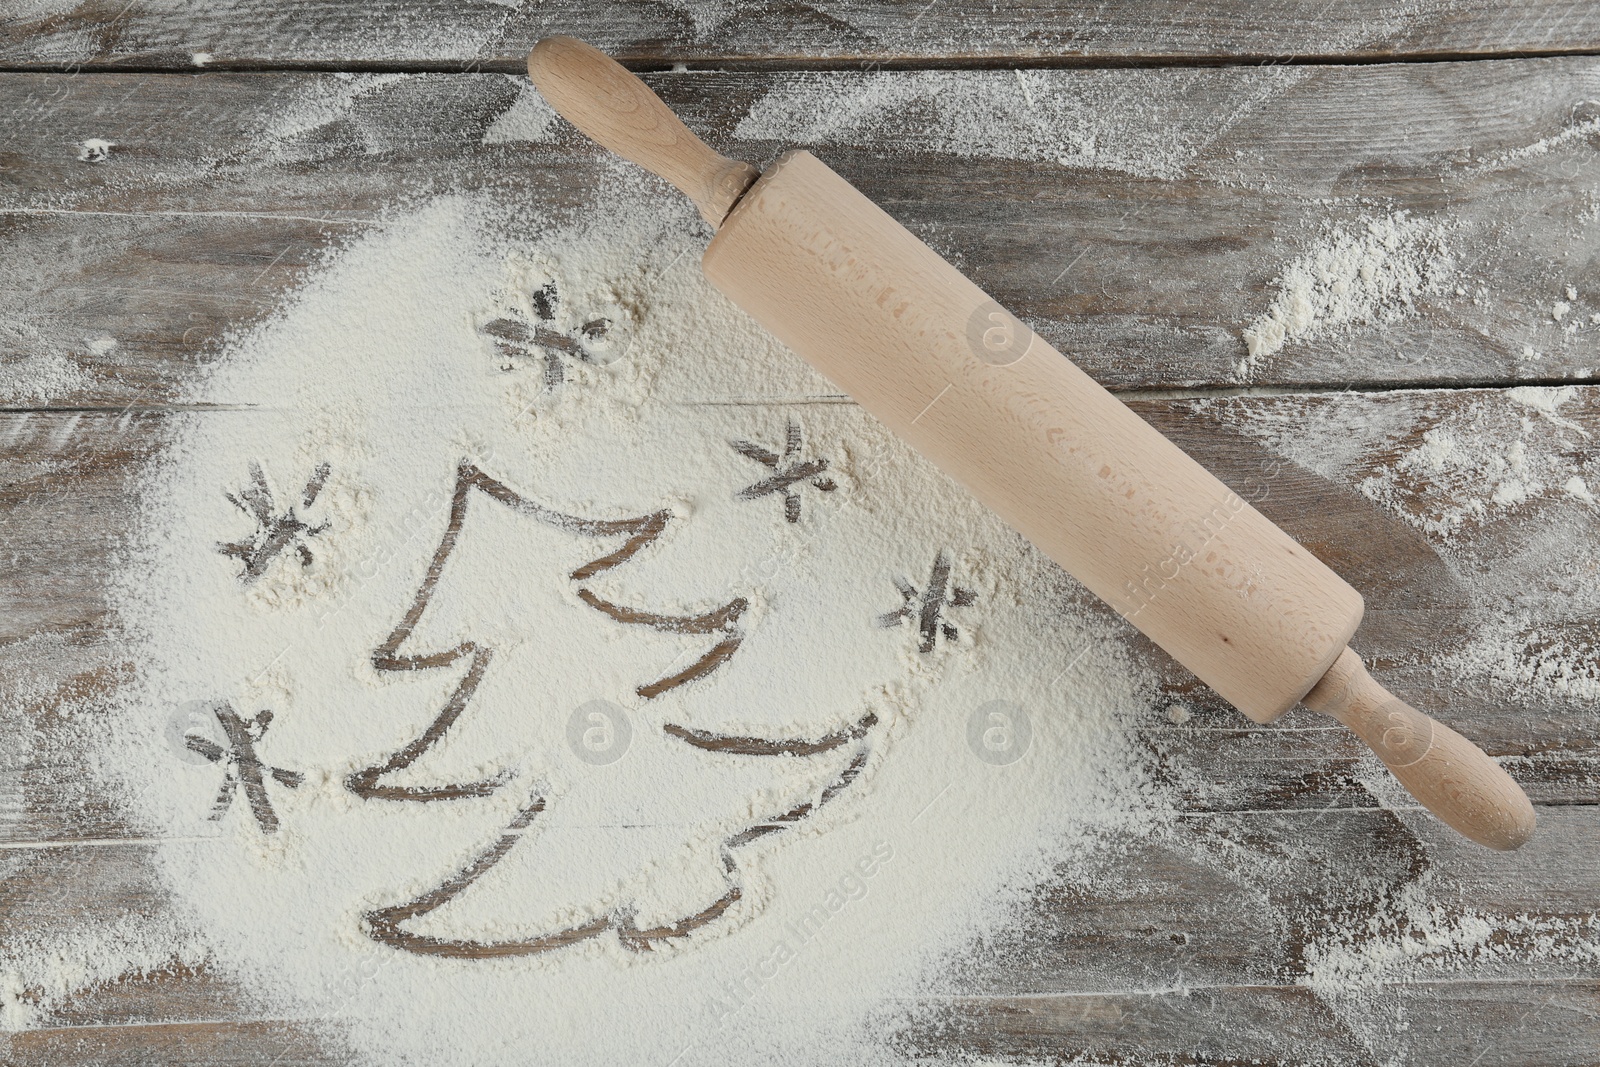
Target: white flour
38, 376
1368, 274
529, 118
1487, 460
894, 842
1413, 937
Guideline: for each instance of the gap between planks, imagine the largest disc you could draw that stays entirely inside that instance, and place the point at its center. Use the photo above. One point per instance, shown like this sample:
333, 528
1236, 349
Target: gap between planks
93, 842
1188, 989
167, 1024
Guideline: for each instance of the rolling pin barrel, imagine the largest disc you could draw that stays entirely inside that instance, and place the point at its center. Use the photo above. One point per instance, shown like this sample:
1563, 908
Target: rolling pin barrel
1096, 488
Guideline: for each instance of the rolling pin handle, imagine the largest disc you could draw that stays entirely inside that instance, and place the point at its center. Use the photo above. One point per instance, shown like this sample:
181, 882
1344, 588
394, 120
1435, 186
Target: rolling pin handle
614, 108
1448, 774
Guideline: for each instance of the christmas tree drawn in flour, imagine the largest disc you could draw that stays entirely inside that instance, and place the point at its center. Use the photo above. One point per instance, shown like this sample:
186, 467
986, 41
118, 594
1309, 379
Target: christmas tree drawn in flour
713, 636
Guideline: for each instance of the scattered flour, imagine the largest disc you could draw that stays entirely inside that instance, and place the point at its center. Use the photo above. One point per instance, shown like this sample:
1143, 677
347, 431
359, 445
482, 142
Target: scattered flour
705, 16
1547, 400
37, 970
1416, 934
1141, 123
1411, 935
1367, 274
39, 376
1575, 132
774, 899
1482, 460
376, 33
530, 118
1499, 484
1529, 657
317, 103
95, 150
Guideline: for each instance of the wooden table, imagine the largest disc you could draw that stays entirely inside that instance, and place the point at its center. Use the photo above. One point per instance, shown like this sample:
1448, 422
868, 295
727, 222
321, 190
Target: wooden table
1262, 126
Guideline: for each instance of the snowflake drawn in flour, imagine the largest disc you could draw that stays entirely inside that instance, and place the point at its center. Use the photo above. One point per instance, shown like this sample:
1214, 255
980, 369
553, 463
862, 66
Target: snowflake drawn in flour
789, 472
276, 531
927, 608
245, 772
547, 329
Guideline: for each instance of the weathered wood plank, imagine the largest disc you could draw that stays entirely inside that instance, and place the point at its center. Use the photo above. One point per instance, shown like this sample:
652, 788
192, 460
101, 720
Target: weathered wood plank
160, 33
1171, 913
200, 1044
1144, 252
1195, 943
1547, 1023
1166, 955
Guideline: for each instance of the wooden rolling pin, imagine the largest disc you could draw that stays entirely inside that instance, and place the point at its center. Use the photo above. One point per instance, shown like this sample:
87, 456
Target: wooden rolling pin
1097, 489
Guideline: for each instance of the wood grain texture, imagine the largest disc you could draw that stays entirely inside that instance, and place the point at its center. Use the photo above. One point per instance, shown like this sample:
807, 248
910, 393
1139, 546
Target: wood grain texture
1169, 959
220, 190
1203, 942
485, 34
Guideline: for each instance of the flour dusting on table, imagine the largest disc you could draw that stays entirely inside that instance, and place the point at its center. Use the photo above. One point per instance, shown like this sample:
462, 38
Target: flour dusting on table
1141, 123
536, 640
1498, 484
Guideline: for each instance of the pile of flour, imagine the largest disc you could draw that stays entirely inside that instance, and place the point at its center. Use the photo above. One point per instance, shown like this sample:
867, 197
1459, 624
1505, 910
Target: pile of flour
910, 763
1360, 275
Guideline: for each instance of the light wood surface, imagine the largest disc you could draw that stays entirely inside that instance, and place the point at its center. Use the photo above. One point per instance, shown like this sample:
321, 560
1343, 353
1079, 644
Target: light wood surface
1193, 946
